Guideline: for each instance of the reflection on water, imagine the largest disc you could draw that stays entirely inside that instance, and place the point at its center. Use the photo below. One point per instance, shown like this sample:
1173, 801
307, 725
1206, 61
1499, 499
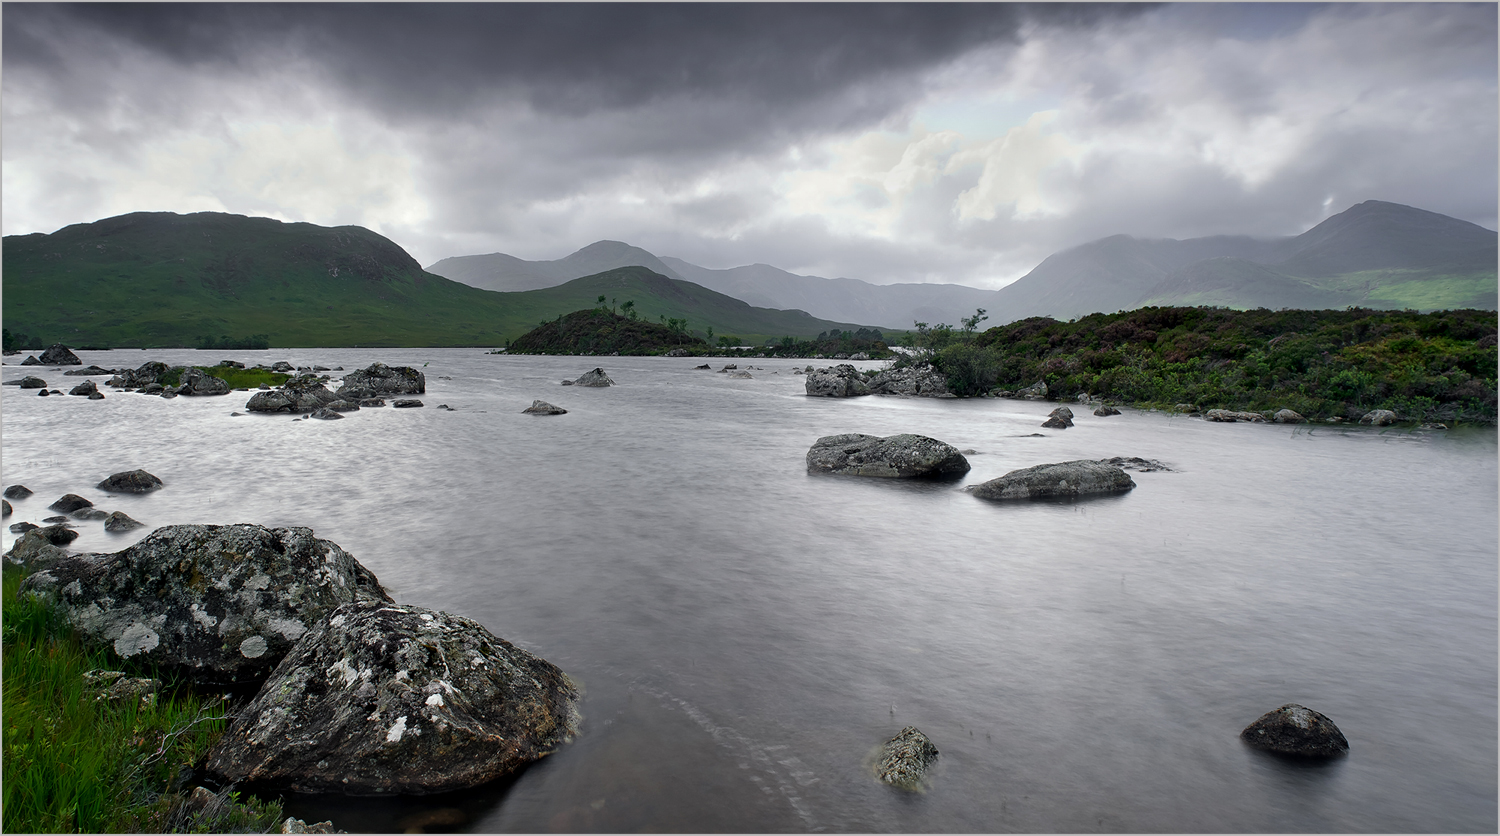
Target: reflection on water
746, 632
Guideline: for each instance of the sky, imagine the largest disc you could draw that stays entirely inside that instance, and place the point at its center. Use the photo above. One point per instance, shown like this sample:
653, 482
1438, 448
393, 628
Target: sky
928, 142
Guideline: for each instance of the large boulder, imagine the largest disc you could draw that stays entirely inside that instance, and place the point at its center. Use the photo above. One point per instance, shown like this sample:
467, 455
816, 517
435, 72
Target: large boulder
905, 759
1064, 479
199, 382
904, 456
1296, 730
388, 699
304, 393
379, 379
841, 381
1227, 416
59, 355
130, 481
920, 380
219, 604
596, 378
1375, 417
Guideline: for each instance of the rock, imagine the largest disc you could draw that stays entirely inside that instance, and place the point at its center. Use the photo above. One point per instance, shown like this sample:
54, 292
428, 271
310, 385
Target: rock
218, 604
859, 355
169, 393
325, 414
841, 381
903, 456
299, 394
372, 402
1286, 416
153, 389
5, 509
89, 514
29, 382
407, 404
40, 548
728, 367
597, 377
1296, 730
233, 364
120, 521
96, 396
292, 825
282, 366
199, 382
740, 374
343, 406
148, 374
17, 492
70, 502
379, 379
920, 380
1083, 398
704, 366
43, 393
1137, 463
89, 371
116, 687
678, 352
326, 369
1185, 407
31, 361
23, 527
544, 408
905, 759
1105, 411
1059, 419
1035, 392
1225, 416
130, 481
1379, 418
567, 383
385, 699
59, 355
1064, 479
57, 519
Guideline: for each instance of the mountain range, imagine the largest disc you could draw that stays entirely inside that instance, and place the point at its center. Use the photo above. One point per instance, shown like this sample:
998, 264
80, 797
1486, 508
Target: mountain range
1375, 254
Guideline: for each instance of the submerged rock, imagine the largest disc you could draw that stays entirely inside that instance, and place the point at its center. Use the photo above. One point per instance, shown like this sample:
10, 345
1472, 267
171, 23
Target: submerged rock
1064, 479
379, 698
841, 381
325, 414
597, 377
1137, 463
59, 355
740, 374
130, 481
89, 514
218, 604
22, 527
904, 456
1296, 730
905, 759
378, 379
544, 408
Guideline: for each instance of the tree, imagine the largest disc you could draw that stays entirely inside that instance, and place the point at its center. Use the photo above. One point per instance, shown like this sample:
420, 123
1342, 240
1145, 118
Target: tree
972, 322
709, 331
601, 301
628, 308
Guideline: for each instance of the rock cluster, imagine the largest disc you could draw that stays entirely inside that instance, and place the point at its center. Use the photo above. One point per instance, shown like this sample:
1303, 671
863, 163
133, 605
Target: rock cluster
1296, 730
1062, 480
1226, 416
905, 759
303, 393
841, 381
378, 379
1059, 419
904, 456
199, 382
919, 380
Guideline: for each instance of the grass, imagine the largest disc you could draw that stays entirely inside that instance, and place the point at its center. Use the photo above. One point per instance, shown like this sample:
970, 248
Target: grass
74, 765
236, 378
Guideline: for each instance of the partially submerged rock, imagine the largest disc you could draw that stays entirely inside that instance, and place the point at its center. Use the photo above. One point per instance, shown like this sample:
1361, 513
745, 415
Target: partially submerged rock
30, 382
325, 414
1137, 463
1287, 416
39, 548
120, 521
387, 699
1059, 419
905, 759
130, 481
378, 379
148, 374
904, 456
5, 509
408, 403
841, 381
59, 355
1064, 479
1226, 416
596, 378
1105, 410
17, 492
70, 502
88, 371
89, 514
299, 394
219, 604
544, 408
199, 382
1379, 418
1296, 730
920, 380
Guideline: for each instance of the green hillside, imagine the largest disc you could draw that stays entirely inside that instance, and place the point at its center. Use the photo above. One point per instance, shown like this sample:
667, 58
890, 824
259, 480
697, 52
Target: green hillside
597, 331
157, 279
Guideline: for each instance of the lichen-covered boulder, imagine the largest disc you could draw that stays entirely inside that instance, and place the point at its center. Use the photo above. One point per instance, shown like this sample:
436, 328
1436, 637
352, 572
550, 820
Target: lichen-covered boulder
387, 699
1379, 418
544, 408
904, 456
920, 380
1228, 416
199, 382
379, 379
595, 378
1061, 480
905, 759
841, 381
130, 481
70, 502
299, 394
59, 355
1059, 419
219, 604
1296, 730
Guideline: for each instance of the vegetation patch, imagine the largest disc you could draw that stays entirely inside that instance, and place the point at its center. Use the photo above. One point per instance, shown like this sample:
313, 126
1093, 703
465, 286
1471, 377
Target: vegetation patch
599, 331
77, 764
236, 378
1438, 366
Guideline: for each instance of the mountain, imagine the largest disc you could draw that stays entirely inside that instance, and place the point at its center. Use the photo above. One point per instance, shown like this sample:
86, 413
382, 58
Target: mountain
152, 279
845, 300
1375, 254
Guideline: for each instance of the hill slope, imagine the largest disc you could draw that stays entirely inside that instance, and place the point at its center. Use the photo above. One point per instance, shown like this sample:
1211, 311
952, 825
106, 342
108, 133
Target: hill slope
152, 279
498, 271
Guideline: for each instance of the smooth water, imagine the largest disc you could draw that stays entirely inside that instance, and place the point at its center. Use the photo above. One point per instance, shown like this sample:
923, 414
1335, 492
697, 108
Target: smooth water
748, 634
